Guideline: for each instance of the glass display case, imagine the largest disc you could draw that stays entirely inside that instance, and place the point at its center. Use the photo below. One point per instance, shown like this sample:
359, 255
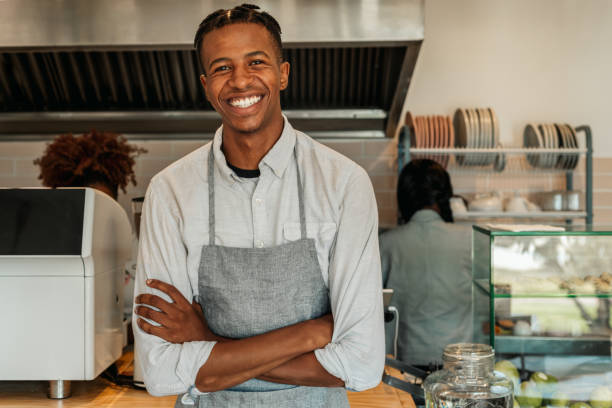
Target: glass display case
542, 299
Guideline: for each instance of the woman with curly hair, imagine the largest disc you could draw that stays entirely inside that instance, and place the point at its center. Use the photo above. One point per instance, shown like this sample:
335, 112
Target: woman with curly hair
101, 160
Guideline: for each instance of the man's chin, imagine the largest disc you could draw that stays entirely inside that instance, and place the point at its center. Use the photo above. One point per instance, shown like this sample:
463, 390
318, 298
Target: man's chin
245, 127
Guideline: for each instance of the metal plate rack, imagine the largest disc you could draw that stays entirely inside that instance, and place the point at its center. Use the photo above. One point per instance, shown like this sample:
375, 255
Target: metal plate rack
518, 156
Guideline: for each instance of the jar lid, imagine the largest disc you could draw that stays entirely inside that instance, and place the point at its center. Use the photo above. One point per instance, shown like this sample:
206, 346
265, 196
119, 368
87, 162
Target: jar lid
468, 351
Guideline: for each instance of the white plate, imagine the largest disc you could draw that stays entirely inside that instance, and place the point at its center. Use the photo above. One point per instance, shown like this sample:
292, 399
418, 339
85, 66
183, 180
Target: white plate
542, 159
532, 138
549, 145
495, 123
472, 136
478, 136
555, 144
546, 160
490, 135
567, 144
461, 133
574, 141
562, 145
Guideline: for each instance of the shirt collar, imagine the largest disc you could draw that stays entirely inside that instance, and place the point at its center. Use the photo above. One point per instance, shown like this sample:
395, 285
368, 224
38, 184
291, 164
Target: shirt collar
425, 215
280, 154
277, 158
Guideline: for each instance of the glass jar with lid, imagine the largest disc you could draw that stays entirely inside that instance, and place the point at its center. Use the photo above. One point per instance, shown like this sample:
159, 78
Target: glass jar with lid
467, 379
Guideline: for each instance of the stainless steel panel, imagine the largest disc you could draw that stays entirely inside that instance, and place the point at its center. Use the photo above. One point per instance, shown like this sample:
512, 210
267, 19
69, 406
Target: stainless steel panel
155, 23
333, 123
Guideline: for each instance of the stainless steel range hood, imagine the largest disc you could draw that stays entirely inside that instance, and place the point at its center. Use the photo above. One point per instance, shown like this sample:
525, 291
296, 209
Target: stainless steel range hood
129, 65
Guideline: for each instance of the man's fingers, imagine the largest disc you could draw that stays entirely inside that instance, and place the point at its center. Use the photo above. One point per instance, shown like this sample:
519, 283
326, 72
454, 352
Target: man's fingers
149, 328
153, 300
168, 289
157, 317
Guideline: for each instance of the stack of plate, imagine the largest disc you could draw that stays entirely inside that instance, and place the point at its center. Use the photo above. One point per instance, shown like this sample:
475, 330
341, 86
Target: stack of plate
476, 128
429, 132
551, 136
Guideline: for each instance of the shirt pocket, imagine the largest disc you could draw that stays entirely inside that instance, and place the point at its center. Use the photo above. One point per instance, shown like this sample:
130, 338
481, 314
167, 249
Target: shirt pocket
323, 234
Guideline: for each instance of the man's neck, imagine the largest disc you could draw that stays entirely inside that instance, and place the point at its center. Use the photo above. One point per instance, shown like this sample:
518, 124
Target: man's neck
245, 150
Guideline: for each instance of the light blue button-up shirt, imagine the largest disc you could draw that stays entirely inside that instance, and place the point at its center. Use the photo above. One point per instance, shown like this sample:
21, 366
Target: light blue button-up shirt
341, 216
427, 262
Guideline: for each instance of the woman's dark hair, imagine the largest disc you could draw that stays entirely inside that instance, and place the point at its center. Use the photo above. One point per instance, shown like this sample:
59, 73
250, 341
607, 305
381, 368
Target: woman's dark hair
245, 13
95, 157
424, 183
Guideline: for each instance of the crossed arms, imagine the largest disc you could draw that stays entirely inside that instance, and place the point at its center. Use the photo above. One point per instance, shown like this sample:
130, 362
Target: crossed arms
285, 355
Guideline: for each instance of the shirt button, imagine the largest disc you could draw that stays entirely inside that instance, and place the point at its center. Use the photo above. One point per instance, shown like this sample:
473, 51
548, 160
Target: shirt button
258, 201
259, 244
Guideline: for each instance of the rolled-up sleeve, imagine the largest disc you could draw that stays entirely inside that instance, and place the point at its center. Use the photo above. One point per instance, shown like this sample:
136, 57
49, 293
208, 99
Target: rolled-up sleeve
357, 351
167, 368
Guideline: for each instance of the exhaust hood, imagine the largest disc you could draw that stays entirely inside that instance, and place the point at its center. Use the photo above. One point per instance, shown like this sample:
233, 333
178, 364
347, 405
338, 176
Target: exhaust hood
129, 65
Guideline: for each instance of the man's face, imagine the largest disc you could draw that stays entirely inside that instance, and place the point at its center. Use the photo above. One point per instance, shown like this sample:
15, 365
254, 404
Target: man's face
244, 76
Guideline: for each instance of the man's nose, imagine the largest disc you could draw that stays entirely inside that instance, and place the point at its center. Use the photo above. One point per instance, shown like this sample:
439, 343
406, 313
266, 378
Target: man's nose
241, 78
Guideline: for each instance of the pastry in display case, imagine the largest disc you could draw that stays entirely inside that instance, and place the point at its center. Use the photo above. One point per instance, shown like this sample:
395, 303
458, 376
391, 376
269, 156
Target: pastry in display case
542, 300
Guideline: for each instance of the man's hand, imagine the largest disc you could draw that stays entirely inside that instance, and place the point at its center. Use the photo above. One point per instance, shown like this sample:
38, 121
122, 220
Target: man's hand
180, 321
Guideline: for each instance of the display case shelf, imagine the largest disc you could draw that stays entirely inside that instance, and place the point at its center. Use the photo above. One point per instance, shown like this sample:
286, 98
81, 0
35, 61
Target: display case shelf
549, 215
534, 345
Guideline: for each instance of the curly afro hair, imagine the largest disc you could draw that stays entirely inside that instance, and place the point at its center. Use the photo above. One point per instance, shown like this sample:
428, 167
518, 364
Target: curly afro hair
95, 157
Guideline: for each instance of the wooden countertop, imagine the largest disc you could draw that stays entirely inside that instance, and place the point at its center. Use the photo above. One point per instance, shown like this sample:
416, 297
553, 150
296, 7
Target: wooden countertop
102, 393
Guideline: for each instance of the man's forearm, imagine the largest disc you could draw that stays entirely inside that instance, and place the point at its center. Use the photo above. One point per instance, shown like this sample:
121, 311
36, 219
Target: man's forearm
235, 361
302, 370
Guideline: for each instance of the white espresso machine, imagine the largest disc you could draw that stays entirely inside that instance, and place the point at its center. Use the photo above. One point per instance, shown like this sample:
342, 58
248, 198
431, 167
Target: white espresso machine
62, 254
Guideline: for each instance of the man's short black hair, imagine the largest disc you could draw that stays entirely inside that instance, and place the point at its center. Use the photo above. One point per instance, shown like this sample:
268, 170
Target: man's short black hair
245, 13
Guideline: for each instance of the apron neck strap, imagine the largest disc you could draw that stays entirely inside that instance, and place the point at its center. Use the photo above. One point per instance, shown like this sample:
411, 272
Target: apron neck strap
300, 190
211, 196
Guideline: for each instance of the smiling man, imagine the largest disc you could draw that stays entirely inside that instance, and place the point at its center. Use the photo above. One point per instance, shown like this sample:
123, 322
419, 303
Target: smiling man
273, 239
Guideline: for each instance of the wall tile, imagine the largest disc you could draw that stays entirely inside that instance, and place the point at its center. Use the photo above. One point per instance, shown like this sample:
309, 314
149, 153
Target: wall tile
383, 182
7, 167
377, 165
602, 199
469, 182
150, 167
602, 165
387, 218
380, 147
602, 182
349, 148
22, 149
19, 181
155, 149
181, 148
386, 200
603, 216
26, 167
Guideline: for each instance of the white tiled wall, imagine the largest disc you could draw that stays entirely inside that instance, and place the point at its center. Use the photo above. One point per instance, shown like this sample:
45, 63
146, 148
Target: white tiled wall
378, 157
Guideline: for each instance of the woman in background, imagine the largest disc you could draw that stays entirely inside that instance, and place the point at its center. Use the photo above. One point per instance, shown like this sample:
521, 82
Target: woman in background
427, 262
101, 160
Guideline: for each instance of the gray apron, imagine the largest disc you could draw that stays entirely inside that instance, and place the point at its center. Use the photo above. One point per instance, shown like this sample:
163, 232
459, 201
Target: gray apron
245, 292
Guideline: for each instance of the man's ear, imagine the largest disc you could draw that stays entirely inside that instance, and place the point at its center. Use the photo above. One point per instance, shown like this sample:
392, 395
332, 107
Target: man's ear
284, 75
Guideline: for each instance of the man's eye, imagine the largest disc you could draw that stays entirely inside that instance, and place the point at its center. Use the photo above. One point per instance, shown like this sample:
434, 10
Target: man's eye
257, 62
221, 68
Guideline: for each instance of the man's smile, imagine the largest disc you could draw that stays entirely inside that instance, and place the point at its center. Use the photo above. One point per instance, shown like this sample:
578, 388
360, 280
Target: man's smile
244, 102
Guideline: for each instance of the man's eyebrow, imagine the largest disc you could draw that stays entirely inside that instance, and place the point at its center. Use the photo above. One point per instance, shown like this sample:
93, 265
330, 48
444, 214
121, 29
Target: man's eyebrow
218, 60
254, 53
250, 54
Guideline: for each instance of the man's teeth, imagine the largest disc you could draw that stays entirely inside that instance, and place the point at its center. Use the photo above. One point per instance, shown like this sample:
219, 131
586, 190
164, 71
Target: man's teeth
244, 102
